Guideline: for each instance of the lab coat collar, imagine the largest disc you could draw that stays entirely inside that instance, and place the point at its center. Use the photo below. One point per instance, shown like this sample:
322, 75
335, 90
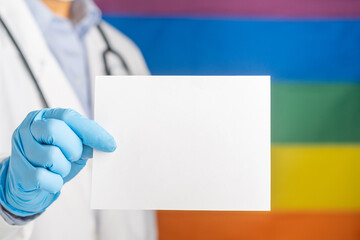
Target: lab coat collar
51, 79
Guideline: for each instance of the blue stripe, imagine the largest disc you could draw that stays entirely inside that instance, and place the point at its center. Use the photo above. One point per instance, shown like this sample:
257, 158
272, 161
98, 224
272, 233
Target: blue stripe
311, 51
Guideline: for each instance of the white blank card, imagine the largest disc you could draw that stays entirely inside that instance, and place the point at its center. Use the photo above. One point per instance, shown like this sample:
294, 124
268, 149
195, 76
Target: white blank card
184, 143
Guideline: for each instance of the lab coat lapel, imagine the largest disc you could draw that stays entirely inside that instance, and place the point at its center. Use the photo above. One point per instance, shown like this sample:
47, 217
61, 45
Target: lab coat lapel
51, 79
94, 46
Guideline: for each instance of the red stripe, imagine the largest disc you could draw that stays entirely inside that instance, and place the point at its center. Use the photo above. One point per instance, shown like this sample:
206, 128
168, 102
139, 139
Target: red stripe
286, 8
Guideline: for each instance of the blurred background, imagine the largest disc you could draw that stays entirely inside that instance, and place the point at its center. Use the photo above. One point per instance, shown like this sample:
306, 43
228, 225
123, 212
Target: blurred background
311, 48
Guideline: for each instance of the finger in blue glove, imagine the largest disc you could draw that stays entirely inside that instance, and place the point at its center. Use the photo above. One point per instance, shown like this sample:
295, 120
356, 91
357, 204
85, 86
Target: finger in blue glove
49, 148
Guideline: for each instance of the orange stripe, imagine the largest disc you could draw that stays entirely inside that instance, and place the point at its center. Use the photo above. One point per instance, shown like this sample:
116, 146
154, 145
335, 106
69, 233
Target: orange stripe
178, 225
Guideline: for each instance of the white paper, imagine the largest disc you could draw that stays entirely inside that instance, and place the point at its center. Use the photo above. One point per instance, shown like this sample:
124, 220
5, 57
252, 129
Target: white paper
184, 143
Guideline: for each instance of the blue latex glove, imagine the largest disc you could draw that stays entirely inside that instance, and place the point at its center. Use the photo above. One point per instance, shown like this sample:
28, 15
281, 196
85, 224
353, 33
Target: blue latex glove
49, 148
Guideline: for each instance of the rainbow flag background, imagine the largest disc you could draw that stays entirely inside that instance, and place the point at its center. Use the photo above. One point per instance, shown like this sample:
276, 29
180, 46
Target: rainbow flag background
311, 48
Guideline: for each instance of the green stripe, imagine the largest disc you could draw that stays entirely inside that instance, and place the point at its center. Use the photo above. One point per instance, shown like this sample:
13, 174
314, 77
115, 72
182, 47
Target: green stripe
304, 113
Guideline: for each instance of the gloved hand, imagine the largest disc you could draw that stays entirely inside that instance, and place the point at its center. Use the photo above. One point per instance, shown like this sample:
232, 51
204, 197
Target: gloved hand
49, 148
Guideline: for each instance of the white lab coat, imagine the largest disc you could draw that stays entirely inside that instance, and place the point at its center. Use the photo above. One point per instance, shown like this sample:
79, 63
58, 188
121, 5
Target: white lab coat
70, 217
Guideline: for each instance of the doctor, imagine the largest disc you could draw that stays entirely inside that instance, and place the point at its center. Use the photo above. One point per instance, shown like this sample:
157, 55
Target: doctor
50, 51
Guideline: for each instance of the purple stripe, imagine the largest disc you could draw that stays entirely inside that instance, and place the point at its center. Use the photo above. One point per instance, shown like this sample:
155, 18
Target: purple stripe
285, 8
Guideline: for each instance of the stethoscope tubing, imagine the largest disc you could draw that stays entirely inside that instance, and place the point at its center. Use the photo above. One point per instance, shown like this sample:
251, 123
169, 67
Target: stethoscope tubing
107, 51
26, 64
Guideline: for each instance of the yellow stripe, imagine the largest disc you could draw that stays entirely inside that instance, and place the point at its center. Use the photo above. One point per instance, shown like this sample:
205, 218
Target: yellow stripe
316, 177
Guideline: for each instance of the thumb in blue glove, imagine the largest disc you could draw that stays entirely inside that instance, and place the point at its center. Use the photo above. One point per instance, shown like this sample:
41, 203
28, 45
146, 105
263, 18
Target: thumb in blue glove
49, 148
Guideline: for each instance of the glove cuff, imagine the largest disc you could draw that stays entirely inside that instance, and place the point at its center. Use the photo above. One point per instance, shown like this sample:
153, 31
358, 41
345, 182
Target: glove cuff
4, 166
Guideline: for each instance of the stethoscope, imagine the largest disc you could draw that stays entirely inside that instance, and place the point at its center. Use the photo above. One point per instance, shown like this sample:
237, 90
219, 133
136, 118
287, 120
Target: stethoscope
108, 51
